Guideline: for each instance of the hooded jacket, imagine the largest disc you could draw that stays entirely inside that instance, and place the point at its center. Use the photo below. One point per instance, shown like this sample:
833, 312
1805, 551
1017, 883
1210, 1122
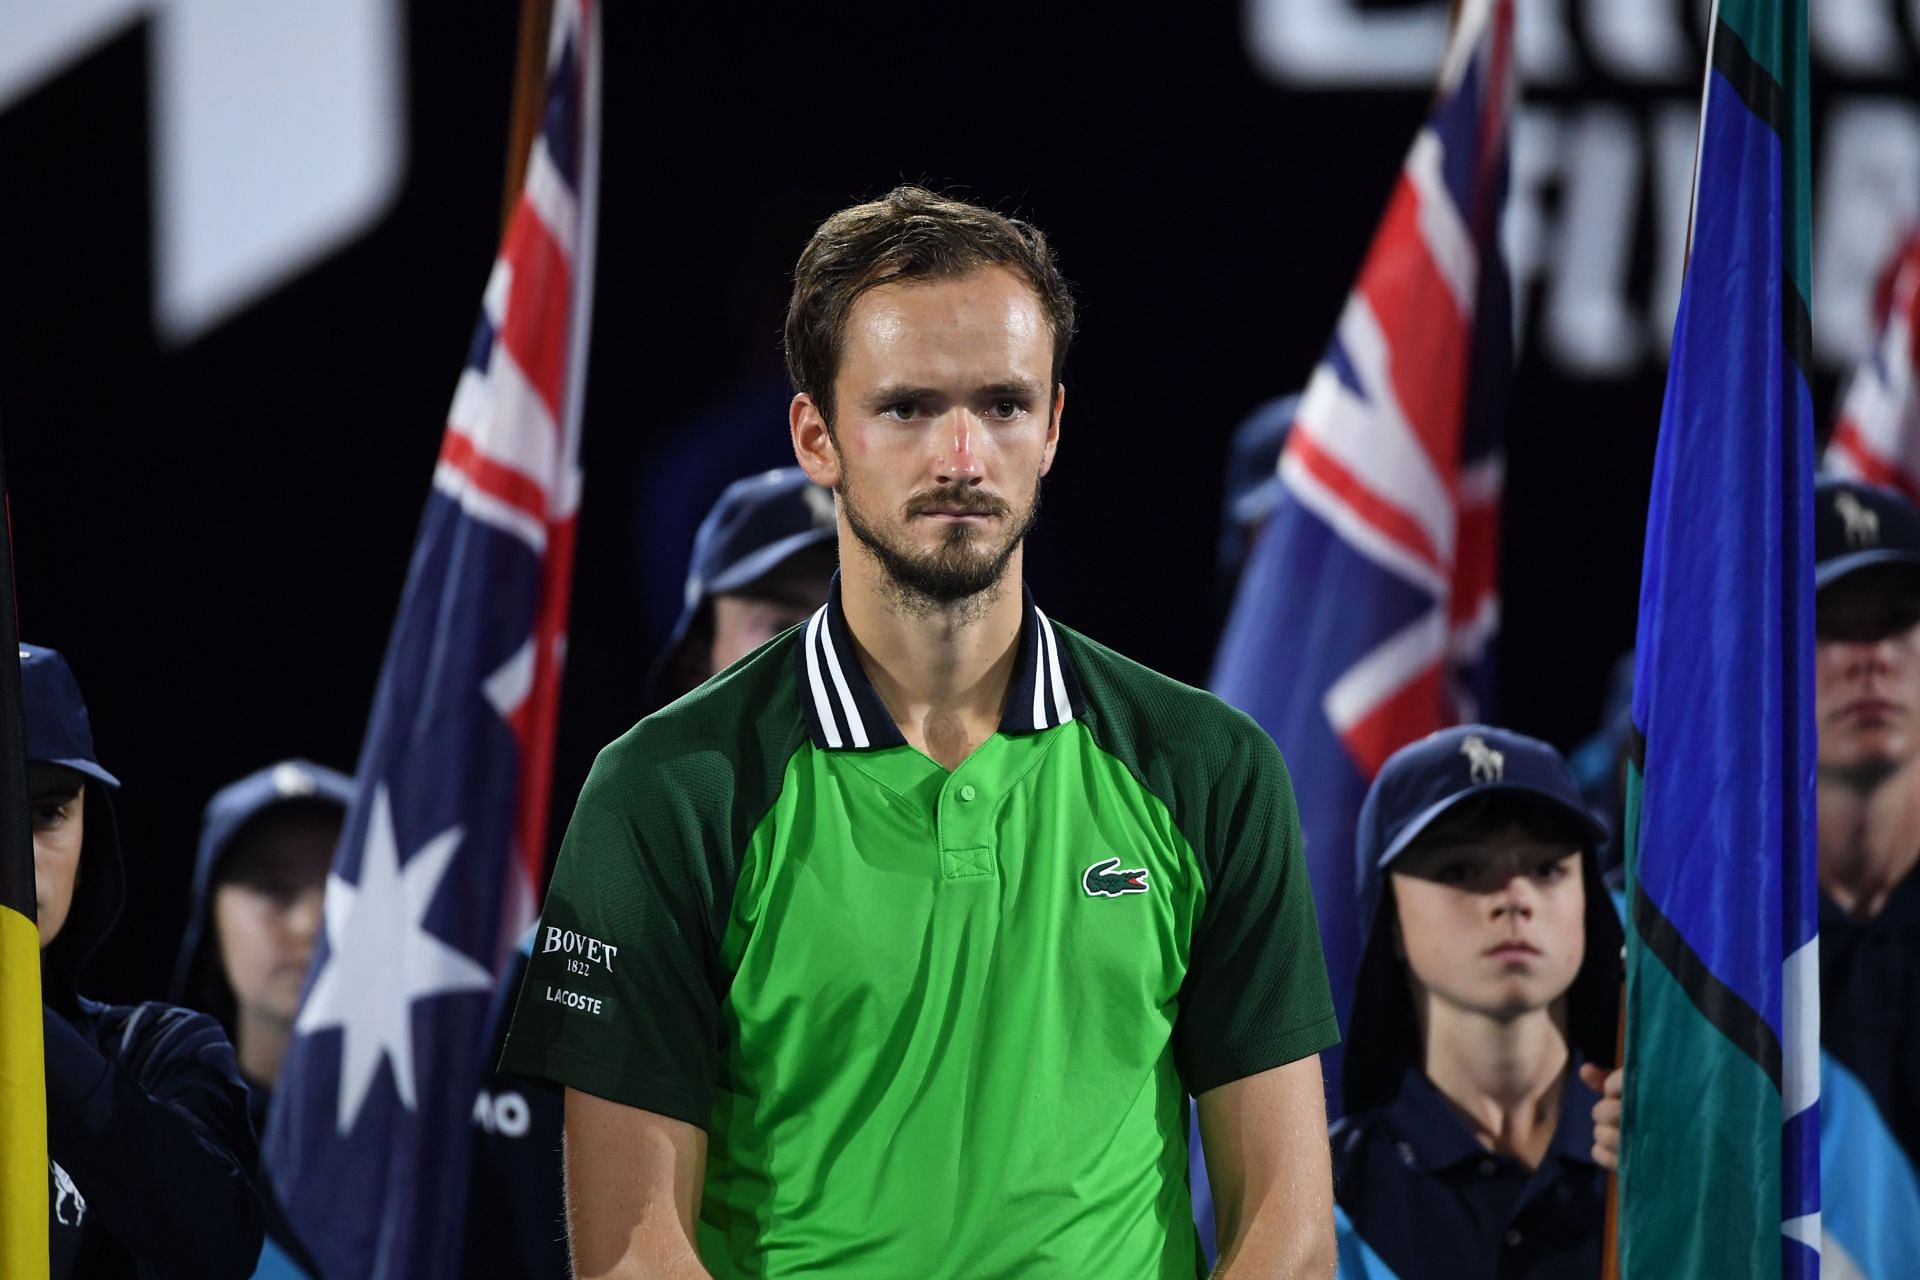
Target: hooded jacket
151, 1151
198, 977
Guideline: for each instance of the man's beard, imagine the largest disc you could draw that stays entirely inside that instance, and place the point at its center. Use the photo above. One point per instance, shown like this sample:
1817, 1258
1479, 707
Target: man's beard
962, 567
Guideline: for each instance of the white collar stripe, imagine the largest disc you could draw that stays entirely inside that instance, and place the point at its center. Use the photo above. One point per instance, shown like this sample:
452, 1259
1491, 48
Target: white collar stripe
827, 727
854, 724
1060, 702
1039, 683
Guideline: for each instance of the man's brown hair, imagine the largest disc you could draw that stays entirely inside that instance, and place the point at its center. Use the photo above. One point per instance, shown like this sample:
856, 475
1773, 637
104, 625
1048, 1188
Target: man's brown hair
908, 234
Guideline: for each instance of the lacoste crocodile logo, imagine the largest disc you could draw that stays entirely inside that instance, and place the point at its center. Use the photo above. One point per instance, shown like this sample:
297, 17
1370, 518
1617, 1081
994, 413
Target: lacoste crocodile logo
1102, 880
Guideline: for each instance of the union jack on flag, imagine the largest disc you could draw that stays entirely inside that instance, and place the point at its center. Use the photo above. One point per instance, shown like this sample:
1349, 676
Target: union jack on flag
1877, 437
1366, 612
443, 848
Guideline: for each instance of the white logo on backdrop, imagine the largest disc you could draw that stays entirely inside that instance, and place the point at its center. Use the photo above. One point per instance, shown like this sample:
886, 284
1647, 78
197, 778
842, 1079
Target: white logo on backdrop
278, 131
1619, 164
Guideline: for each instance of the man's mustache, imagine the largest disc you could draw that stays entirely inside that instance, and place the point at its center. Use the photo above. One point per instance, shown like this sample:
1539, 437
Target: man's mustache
961, 498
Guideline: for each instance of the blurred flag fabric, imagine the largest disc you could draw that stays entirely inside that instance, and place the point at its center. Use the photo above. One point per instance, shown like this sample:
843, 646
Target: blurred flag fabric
1365, 615
24, 1171
442, 852
1876, 437
1720, 1165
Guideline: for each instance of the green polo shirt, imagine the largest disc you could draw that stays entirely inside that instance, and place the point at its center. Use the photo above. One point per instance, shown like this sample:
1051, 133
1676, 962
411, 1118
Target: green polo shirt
935, 1024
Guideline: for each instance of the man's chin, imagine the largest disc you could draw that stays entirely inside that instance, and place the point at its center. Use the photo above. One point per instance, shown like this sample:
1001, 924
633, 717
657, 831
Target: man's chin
1867, 758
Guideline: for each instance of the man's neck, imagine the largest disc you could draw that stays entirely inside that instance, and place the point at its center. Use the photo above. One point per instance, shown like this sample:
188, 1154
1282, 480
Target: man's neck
1504, 1078
943, 671
1869, 835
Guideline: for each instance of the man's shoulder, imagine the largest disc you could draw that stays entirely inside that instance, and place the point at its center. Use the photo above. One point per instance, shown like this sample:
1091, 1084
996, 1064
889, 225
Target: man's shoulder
738, 726
1135, 708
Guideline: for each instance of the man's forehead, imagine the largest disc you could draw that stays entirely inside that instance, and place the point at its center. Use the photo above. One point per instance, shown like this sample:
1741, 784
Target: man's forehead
940, 328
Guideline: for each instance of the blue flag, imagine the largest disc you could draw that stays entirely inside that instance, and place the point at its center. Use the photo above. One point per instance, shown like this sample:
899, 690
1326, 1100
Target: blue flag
1720, 1165
443, 847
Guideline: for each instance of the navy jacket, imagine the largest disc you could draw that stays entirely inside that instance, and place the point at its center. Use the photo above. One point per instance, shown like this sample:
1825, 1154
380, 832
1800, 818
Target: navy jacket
1430, 1201
151, 1150
1870, 1005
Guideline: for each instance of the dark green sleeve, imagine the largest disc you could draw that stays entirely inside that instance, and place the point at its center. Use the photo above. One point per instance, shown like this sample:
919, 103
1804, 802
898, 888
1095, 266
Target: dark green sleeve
622, 993
1256, 992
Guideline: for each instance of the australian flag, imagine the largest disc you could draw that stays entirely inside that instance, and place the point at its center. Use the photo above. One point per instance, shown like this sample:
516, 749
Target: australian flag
439, 862
1877, 435
1365, 615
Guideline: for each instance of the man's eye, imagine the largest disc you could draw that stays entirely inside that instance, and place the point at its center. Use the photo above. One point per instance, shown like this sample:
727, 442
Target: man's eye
1550, 872
49, 815
1451, 873
1007, 410
905, 411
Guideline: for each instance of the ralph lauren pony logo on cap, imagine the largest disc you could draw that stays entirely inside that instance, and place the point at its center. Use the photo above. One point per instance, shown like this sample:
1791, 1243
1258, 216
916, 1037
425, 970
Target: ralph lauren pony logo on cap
1862, 523
1484, 763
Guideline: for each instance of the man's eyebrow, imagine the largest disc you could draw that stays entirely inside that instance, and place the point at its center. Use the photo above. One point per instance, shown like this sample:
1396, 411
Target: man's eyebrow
55, 791
895, 392
1016, 387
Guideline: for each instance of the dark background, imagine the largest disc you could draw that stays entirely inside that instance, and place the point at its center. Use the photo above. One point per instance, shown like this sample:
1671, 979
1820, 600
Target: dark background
216, 535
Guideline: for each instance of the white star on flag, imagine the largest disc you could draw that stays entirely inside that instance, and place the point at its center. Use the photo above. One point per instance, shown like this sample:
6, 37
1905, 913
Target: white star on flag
381, 959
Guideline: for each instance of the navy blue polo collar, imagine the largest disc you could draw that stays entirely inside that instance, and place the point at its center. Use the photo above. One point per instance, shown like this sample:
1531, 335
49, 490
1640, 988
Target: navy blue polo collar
844, 713
1430, 1137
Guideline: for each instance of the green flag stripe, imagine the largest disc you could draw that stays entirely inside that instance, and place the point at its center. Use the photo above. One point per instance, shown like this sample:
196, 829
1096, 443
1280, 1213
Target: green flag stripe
1733, 1017
1700, 1190
1760, 27
1763, 96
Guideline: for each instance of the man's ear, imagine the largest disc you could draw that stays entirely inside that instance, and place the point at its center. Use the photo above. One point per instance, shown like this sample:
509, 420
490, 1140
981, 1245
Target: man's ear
813, 445
1053, 427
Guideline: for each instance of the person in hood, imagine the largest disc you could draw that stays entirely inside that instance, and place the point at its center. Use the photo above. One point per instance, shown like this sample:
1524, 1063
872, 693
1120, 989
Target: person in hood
259, 880
151, 1154
763, 561
1489, 986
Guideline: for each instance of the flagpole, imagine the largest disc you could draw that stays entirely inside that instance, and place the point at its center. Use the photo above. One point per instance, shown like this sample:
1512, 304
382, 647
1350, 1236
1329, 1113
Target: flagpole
529, 94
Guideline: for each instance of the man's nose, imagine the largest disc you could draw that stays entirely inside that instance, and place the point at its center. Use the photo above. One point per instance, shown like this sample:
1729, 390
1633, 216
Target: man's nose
1870, 657
958, 434
1516, 897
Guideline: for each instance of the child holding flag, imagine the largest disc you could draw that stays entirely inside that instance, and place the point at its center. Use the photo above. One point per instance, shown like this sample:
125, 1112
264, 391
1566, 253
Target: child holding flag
1490, 970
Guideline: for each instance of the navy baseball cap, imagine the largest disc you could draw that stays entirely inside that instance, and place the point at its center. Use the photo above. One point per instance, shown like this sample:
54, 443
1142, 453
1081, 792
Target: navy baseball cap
58, 731
288, 782
1857, 526
1423, 781
757, 525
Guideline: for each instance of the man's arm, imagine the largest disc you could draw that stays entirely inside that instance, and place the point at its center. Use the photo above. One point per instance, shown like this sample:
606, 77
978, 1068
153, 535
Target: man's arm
1265, 1138
633, 1191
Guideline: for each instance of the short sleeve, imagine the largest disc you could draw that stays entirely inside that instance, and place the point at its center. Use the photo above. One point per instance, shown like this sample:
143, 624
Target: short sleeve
621, 998
1256, 993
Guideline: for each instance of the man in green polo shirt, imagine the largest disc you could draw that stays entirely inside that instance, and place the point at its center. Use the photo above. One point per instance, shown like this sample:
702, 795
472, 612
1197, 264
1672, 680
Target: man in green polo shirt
896, 949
